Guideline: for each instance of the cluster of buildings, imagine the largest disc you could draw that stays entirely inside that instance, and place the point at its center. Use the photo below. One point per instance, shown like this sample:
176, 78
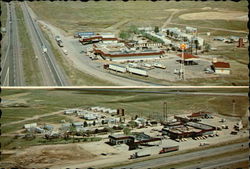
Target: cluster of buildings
229, 39
34, 128
140, 48
94, 116
188, 36
188, 126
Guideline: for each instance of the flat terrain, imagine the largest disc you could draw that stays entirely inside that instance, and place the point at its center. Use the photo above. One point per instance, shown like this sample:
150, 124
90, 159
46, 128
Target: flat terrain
45, 107
39, 102
96, 15
220, 19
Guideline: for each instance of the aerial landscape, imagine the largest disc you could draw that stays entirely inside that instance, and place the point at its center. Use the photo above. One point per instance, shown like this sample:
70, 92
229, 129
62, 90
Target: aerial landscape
124, 128
119, 44
124, 85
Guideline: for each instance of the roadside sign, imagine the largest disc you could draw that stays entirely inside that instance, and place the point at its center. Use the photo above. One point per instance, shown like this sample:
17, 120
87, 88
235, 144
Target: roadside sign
183, 46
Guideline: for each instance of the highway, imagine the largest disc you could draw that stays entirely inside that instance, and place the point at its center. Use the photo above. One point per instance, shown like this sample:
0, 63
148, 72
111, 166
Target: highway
11, 62
164, 161
220, 162
52, 74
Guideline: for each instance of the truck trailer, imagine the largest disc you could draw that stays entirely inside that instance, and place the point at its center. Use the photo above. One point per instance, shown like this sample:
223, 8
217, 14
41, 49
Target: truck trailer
158, 65
114, 67
139, 154
137, 71
60, 43
169, 149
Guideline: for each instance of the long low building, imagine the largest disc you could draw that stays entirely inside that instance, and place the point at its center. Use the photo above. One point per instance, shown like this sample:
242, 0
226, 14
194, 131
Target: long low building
189, 129
128, 55
139, 138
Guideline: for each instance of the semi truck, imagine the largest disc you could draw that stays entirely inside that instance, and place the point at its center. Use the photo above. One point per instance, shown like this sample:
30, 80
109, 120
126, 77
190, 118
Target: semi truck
137, 71
114, 67
158, 65
169, 149
57, 38
60, 43
148, 65
139, 154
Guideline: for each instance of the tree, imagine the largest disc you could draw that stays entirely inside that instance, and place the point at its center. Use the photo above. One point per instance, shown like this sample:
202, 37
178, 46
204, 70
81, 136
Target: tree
167, 32
73, 132
85, 124
124, 35
207, 47
191, 46
127, 131
196, 42
157, 29
171, 34
133, 124
133, 29
136, 116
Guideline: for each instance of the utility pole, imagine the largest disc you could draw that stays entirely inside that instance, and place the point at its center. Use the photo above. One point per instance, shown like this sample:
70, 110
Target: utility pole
165, 112
166, 107
234, 106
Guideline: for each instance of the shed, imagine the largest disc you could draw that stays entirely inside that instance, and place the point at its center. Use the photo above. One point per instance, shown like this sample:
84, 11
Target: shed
76, 124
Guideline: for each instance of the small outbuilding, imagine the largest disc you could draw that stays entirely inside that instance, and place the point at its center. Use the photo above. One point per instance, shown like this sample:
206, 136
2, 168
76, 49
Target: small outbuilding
221, 68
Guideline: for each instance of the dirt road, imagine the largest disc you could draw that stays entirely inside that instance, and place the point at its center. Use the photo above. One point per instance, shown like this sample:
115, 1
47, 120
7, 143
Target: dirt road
217, 29
32, 118
170, 18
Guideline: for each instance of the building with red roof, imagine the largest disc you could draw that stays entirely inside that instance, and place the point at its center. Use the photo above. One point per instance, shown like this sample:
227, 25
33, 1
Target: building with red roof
221, 67
188, 56
189, 59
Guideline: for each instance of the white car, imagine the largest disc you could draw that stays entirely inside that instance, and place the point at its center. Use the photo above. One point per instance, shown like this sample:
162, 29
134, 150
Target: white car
65, 51
44, 48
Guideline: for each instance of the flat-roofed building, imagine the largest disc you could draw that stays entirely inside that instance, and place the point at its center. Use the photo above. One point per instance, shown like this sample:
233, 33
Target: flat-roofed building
221, 68
189, 129
128, 55
120, 139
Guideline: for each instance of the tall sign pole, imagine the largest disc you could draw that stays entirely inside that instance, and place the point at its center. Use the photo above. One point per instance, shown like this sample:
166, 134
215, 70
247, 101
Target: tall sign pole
182, 71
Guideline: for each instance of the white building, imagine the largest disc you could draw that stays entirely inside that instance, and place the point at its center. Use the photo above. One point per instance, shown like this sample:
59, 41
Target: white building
160, 36
31, 125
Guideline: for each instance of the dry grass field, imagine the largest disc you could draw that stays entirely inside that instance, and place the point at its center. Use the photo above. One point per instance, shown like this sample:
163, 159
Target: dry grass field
89, 16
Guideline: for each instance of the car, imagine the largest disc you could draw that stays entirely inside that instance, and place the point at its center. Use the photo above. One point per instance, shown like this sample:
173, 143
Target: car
44, 48
65, 51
